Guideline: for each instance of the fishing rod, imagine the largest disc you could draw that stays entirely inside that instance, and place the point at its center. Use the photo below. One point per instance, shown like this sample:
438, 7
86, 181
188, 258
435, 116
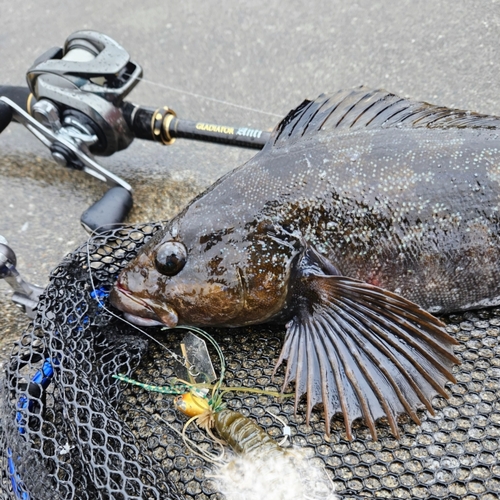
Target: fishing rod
74, 104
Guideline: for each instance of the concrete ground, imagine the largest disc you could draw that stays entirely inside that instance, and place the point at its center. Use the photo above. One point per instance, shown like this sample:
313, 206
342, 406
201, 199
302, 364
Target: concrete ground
244, 63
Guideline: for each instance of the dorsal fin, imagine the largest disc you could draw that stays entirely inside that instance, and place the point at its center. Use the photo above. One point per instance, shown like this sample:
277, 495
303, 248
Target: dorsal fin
364, 108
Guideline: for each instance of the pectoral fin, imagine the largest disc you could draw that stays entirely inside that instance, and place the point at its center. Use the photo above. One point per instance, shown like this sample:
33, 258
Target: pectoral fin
363, 351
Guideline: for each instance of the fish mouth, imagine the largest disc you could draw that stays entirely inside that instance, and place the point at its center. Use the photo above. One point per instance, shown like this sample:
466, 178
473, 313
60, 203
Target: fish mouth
139, 311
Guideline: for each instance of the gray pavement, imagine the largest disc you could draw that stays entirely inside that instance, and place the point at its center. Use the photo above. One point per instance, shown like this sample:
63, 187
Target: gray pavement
264, 56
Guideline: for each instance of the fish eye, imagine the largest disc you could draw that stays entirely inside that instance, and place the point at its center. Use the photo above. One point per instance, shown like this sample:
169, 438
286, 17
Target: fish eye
170, 258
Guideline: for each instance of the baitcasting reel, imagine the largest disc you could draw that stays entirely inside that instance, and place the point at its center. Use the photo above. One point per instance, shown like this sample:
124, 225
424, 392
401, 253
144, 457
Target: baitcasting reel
81, 88
74, 108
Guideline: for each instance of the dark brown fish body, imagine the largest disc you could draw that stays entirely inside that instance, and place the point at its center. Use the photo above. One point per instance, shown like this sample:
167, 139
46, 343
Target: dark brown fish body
402, 196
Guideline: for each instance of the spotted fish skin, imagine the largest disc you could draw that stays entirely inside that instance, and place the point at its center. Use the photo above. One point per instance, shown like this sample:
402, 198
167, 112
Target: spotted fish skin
360, 206
415, 211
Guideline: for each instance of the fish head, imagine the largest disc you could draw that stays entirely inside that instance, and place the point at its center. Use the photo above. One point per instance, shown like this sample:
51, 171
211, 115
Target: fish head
200, 278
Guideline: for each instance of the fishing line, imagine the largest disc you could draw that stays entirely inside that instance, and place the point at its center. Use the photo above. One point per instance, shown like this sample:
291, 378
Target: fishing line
190, 368
219, 101
195, 447
218, 389
91, 239
287, 433
173, 89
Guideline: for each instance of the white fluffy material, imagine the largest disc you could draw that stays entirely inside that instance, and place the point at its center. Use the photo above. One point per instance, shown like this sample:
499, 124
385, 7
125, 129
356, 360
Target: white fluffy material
276, 477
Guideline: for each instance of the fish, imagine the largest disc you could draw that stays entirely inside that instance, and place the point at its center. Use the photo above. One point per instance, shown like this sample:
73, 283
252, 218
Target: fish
364, 216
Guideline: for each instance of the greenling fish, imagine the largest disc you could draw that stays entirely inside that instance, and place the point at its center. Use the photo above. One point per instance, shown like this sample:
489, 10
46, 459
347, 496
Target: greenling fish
361, 206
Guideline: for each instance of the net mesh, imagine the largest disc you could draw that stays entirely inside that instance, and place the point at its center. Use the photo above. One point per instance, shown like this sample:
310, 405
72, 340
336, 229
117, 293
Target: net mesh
70, 430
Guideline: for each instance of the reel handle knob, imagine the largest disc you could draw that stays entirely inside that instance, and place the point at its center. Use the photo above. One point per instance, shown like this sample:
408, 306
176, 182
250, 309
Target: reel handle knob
109, 211
7, 259
25, 294
5, 115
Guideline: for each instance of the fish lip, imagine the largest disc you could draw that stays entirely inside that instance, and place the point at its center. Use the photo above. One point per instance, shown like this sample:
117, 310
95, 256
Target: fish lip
123, 299
139, 311
140, 321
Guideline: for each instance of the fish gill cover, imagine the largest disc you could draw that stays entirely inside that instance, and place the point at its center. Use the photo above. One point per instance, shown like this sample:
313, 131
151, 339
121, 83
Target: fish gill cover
69, 430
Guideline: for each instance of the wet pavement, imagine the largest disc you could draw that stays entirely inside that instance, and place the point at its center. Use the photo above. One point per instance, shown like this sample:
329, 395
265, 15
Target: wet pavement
263, 56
